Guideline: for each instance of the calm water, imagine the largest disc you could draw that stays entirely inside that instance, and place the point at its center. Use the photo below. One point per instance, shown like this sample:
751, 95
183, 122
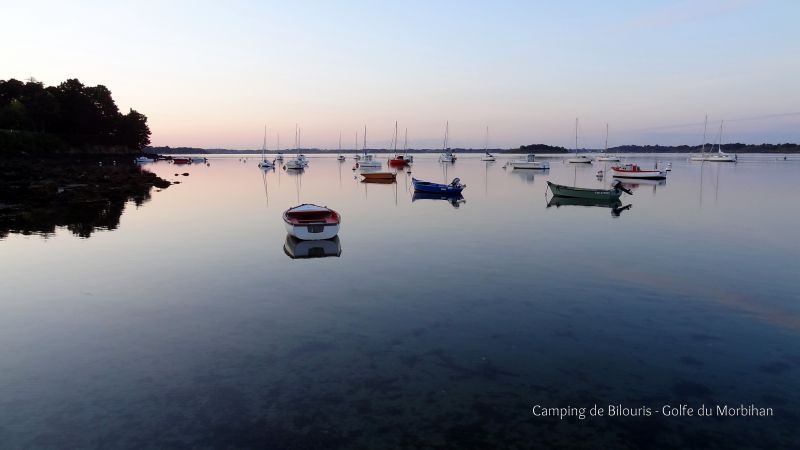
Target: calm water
437, 327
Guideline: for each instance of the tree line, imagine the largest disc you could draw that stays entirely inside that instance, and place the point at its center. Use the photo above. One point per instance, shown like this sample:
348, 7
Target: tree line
80, 115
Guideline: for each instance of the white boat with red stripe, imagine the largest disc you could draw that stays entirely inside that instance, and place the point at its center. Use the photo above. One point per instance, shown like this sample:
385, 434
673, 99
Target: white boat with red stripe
634, 171
311, 222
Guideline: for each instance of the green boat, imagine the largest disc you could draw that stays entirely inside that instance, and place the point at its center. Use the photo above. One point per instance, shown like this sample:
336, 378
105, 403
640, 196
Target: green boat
608, 195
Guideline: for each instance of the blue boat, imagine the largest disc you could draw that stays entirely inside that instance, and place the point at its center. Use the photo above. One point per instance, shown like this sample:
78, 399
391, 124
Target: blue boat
455, 186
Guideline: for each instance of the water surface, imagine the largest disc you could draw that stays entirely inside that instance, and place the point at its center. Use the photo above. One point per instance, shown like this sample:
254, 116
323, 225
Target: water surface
440, 324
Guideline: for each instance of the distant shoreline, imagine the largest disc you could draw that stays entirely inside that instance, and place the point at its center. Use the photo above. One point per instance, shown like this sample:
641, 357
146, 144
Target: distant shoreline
728, 148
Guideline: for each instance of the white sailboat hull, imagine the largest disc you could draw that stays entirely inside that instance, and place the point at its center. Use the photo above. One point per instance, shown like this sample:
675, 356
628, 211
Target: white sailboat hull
608, 158
643, 175
294, 164
715, 158
579, 160
447, 158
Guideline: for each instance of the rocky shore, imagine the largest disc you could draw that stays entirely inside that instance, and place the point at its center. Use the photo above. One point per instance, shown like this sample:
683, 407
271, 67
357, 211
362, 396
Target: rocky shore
83, 193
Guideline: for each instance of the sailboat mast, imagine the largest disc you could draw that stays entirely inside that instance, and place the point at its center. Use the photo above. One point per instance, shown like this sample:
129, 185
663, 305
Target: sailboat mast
576, 135
606, 151
405, 143
395, 137
365, 139
486, 141
705, 129
340, 142
719, 145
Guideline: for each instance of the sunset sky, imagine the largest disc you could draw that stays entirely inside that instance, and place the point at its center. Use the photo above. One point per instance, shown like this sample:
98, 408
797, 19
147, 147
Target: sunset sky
211, 74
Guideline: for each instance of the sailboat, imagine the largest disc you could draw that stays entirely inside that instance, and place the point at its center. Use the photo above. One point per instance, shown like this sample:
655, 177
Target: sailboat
486, 155
702, 155
279, 156
265, 163
296, 163
366, 159
409, 158
579, 159
605, 156
397, 160
356, 156
720, 156
447, 154
340, 156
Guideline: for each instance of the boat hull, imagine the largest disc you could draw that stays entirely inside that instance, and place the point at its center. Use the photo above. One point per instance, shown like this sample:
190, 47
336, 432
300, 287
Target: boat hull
608, 158
487, 158
579, 160
435, 188
379, 177
643, 175
592, 194
312, 231
536, 165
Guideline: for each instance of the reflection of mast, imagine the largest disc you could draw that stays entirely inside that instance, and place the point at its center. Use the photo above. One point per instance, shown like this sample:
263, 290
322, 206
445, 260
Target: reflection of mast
486, 176
264, 179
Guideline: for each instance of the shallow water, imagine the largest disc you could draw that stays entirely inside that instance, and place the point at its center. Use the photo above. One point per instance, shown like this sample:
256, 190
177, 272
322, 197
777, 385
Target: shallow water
438, 326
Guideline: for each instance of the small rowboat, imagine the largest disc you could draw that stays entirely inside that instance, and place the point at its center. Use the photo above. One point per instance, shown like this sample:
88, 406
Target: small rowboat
454, 187
181, 161
634, 171
379, 177
311, 222
594, 194
143, 160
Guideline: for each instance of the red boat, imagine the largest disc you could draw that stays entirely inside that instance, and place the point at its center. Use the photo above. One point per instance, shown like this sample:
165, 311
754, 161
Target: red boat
397, 161
181, 161
634, 171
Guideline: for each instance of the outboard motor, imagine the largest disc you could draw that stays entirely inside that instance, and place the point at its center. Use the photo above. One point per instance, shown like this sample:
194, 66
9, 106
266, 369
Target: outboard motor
622, 188
455, 182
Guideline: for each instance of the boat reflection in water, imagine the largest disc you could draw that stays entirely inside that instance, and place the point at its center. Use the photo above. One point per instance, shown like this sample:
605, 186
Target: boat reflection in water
631, 184
454, 199
615, 205
300, 249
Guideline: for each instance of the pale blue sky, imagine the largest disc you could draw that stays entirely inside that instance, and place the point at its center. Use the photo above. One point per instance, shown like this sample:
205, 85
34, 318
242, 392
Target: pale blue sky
210, 74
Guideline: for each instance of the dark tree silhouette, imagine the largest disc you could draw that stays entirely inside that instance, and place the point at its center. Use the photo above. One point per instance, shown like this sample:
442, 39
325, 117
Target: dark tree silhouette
80, 115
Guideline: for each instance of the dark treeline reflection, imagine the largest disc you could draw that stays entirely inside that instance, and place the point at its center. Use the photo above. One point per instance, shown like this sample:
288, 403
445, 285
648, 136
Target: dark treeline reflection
36, 197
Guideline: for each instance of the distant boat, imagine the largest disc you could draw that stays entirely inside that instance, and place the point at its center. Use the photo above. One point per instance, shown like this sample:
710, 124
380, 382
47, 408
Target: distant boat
447, 154
367, 160
634, 171
486, 155
311, 222
299, 162
605, 156
143, 160
528, 163
579, 159
587, 193
379, 177
265, 163
300, 249
279, 156
455, 186
397, 160
199, 159
181, 161
340, 156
